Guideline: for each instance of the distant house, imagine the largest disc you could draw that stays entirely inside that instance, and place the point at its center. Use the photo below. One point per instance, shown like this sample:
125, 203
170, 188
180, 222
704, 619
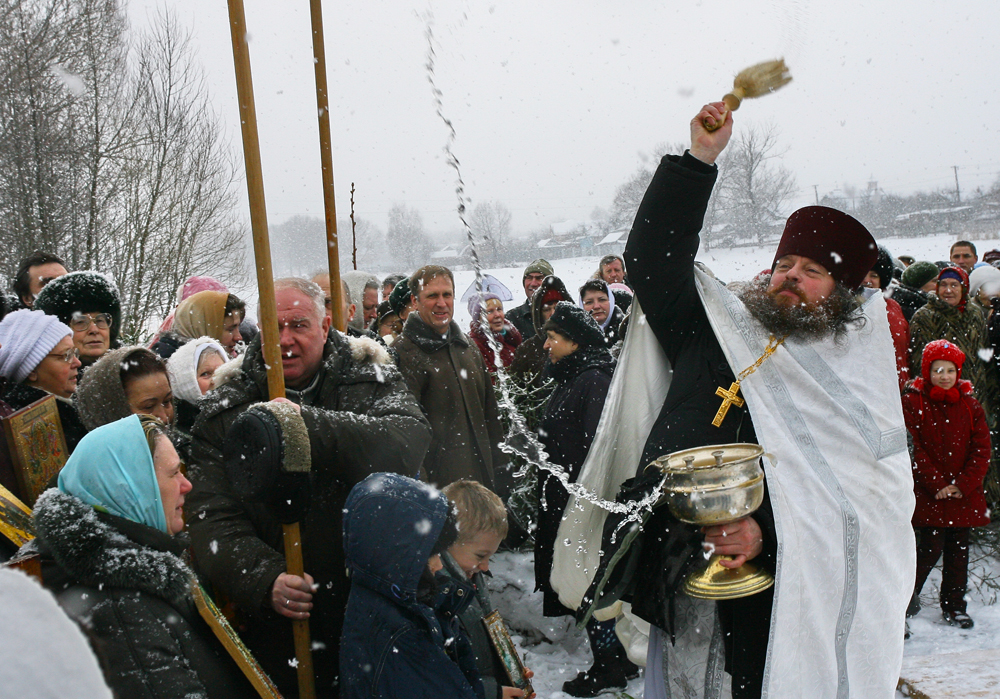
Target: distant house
613, 242
453, 255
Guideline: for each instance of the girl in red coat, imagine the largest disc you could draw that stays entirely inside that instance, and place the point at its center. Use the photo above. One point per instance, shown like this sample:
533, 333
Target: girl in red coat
951, 452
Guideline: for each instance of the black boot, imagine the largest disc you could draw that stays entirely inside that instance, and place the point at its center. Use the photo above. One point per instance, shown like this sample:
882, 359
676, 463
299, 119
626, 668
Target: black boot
913, 608
607, 676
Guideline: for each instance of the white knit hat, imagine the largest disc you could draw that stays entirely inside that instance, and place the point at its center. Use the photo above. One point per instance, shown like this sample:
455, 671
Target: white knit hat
26, 337
183, 367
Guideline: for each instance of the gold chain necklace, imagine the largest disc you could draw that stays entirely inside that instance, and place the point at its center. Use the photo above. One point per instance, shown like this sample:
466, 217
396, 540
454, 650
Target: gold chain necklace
729, 397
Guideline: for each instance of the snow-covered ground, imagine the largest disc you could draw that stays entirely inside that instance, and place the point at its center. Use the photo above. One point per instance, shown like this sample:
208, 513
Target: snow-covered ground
555, 650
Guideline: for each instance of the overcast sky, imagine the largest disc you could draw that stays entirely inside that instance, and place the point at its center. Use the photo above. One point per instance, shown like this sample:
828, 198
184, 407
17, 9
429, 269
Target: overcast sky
554, 103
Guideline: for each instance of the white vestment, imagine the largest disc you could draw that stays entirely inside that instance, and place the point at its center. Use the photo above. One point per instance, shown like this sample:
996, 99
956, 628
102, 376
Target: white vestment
842, 496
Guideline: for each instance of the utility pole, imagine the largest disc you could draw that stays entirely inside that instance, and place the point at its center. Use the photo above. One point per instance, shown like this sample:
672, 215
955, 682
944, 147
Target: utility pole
958, 194
816, 191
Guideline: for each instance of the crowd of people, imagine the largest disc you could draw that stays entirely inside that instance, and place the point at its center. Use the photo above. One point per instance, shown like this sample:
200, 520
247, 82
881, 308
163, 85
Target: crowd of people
410, 474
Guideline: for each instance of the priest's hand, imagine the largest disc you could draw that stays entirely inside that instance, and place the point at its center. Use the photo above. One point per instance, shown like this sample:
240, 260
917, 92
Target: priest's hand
707, 145
741, 539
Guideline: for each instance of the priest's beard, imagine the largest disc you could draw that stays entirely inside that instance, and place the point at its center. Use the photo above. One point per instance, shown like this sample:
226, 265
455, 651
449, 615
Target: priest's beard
806, 321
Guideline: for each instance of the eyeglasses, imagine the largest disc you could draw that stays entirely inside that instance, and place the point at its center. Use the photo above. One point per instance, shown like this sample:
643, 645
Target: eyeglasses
82, 321
68, 356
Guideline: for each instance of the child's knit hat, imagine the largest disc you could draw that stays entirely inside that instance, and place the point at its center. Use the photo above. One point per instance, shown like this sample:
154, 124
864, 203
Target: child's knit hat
941, 349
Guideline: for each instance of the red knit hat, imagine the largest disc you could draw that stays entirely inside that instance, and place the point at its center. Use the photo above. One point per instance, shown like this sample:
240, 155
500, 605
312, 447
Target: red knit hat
833, 239
941, 349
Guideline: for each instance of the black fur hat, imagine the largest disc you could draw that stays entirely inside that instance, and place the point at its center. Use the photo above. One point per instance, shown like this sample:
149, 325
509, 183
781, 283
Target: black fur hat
86, 292
883, 267
569, 320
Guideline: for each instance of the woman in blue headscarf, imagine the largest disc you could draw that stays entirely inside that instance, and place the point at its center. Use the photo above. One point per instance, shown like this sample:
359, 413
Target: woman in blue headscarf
111, 546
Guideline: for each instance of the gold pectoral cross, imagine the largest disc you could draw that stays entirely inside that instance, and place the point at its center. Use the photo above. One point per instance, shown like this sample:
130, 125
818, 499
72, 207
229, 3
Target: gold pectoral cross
728, 398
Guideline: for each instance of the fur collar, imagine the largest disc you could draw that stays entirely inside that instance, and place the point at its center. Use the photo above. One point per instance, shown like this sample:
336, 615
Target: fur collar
347, 360
95, 553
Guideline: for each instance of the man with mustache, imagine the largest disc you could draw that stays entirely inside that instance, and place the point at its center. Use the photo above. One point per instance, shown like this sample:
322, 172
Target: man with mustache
818, 390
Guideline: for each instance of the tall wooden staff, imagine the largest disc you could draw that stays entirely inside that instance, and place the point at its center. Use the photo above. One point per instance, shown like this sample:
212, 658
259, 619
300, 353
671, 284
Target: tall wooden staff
326, 156
268, 307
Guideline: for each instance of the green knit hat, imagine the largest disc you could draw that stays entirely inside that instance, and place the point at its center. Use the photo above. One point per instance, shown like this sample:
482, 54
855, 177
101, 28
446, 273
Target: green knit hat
400, 296
919, 273
539, 266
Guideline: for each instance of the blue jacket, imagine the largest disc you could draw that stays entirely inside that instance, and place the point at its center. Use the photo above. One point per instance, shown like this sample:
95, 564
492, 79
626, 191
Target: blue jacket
393, 646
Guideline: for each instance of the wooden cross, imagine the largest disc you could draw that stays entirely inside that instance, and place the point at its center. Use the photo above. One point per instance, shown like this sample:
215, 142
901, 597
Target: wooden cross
728, 398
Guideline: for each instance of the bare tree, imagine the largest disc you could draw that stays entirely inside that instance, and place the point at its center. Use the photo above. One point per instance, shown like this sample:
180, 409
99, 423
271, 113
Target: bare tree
405, 237
110, 154
298, 246
629, 194
490, 222
754, 192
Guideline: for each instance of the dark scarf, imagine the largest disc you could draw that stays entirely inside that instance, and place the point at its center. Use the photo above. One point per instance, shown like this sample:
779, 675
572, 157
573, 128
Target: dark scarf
590, 357
430, 340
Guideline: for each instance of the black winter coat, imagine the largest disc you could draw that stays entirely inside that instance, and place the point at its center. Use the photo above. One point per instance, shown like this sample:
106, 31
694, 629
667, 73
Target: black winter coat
520, 318
394, 645
909, 299
567, 431
125, 583
361, 419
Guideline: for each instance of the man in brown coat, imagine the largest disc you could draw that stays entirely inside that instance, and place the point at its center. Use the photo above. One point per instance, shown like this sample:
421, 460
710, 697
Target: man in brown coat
446, 373
360, 419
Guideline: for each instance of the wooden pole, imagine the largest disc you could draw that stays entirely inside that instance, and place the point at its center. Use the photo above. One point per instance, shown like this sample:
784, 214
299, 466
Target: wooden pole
268, 310
326, 157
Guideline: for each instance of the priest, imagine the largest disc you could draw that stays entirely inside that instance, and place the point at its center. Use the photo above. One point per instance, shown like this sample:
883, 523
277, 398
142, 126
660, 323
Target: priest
798, 360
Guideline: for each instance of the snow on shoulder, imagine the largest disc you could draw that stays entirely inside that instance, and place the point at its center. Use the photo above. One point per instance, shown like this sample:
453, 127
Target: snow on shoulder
38, 637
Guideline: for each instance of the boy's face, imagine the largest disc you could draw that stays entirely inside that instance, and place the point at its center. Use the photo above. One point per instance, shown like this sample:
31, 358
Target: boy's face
943, 374
474, 555
434, 563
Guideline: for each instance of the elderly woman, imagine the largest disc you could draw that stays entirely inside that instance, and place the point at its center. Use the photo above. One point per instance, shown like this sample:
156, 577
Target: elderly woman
215, 314
109, 550
87, 302
191, 369
38, 358
126, 381
488, 319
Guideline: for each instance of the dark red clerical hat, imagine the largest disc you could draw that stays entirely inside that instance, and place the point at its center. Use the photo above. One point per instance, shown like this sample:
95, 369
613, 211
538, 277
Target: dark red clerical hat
832, 238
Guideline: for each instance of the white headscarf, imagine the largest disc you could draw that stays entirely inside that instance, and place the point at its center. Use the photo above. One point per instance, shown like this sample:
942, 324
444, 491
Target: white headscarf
183, 367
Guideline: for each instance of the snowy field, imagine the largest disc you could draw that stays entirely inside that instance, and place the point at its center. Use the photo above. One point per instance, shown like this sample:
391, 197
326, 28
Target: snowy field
555, 650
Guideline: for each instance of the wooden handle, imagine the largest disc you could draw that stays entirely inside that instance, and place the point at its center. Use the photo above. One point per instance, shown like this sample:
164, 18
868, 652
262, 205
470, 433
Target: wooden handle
732, 100
300, 627
268, 306
268, 310
326, 158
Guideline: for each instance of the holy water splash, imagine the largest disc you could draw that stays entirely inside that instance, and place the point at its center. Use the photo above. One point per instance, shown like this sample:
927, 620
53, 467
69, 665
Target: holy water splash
520, 440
